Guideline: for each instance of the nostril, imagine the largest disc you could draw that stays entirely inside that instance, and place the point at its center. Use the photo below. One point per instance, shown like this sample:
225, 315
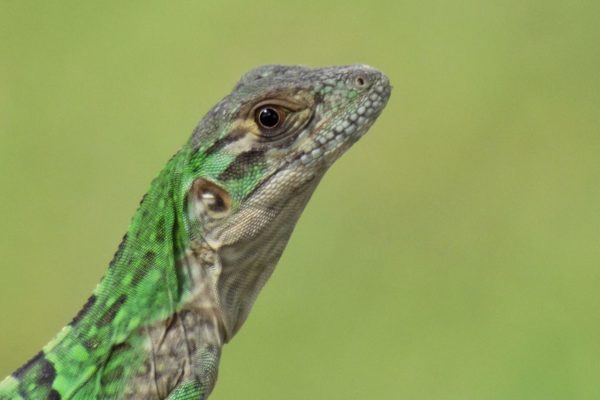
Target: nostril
360, 81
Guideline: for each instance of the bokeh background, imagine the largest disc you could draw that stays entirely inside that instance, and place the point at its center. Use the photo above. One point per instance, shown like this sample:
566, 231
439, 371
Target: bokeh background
454, 253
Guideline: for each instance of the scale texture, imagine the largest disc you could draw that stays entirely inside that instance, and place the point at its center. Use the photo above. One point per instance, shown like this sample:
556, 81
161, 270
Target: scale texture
205, 239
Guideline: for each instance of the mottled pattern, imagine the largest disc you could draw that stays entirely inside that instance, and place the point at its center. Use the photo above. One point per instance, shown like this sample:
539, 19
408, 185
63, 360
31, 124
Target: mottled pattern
205, 239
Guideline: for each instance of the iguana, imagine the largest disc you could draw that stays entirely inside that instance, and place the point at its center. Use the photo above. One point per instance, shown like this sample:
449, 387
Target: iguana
205, 239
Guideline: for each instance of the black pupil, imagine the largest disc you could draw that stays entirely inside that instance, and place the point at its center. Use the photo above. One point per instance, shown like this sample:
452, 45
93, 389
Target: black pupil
268, 117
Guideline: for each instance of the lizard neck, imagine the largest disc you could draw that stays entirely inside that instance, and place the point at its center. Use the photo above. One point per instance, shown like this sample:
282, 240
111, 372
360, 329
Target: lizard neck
142, 285
237, 270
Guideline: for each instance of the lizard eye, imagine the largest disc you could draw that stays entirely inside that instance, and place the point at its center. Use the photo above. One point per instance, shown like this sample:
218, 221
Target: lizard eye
270, 117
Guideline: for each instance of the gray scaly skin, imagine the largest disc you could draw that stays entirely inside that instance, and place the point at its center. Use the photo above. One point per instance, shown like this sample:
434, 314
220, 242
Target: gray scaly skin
206, 238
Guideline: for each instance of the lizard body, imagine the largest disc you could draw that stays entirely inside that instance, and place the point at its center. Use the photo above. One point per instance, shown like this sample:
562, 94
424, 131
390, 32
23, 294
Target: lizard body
205, 239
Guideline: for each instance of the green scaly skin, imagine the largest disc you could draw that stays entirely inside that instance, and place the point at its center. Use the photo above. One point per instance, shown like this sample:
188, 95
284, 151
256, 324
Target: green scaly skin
206, 238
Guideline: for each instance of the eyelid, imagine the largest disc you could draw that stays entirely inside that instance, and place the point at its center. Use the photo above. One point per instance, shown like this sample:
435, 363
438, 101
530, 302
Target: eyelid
282, 105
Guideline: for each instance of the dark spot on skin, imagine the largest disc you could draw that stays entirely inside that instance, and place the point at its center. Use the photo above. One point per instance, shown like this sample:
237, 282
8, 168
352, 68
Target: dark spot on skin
119, 251
149, 257
112, 311
160, 230
142, 270
42, 370
237, 169
176, 248
28, 365
192, 345
84, 310
319, 98
213, 349
91, 343
119, 348
233, 136
112, 375
53, 395
143, 198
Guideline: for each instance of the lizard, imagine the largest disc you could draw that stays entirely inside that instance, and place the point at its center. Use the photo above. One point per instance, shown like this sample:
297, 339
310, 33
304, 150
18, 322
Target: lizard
205, 238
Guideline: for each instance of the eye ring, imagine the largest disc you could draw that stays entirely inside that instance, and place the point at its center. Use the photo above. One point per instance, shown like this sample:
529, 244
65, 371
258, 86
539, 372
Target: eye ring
270, 117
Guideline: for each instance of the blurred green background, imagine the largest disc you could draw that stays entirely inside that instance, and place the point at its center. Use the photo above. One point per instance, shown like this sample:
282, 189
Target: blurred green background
454, 253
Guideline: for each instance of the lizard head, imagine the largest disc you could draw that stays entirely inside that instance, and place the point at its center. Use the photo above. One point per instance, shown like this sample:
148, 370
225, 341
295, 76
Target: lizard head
259, 153
278, 131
